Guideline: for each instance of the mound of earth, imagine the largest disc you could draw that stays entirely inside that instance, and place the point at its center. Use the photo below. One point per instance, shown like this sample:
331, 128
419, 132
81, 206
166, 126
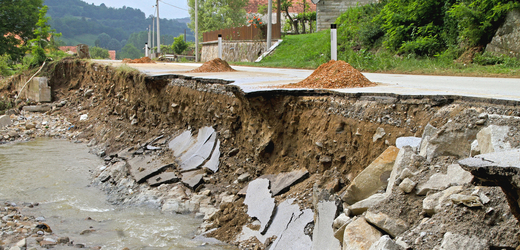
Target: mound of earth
333, 75
215, 65
138, 60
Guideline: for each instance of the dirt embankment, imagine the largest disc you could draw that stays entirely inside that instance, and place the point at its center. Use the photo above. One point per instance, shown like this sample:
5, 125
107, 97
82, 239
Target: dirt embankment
331, 135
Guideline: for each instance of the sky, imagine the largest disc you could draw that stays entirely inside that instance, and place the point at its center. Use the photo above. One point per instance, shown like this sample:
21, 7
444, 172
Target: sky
147, 6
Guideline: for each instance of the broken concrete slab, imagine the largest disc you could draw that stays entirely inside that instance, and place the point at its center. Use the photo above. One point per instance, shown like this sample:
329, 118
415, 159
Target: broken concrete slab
214, 161
5, 121
280, 183
455, 176
392, 226
193, 178
323, 234
199, 156
144, 167
493, 139
283, 215
414, 142
180, 143
453, 241
37, 108
359, 235
385, 243
362, 206
433, 204
165, 177
294, 236
260, 203
202, 137
372, 178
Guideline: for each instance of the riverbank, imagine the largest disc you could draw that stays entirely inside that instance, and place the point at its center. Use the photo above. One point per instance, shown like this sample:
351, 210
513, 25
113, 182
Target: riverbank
376, 162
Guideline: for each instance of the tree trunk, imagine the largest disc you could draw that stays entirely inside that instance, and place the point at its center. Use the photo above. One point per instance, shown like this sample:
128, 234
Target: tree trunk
303, 18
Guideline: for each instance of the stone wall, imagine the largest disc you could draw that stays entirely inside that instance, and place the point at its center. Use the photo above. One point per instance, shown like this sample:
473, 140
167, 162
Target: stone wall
329, 10
234, 51
507, 39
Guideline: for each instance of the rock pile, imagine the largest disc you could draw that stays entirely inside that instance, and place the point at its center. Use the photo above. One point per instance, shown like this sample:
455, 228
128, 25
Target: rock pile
35, 122
138, 60
215, 65
414, 197
333, 75
19, 231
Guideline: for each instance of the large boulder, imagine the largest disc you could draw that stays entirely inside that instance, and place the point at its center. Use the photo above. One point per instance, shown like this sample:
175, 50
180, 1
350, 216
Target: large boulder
453, 139
359, 235
507, 39
392, 226
372, 178
493, 139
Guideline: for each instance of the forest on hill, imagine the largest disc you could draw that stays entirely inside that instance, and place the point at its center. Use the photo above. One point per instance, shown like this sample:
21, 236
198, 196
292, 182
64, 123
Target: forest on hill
107, 27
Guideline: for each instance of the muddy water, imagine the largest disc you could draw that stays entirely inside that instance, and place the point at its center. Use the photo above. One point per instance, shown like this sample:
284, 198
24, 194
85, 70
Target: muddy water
55, 174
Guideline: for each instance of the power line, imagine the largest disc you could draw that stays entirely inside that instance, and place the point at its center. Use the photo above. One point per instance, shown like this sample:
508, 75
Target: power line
173, 5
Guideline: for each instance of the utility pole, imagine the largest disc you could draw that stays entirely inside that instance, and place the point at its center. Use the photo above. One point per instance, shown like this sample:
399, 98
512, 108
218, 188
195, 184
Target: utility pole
149, 41
269, 23
153, 37
196, 31
158, 30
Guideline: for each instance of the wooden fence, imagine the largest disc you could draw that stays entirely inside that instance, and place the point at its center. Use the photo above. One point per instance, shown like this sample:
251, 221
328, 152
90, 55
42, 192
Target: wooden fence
243, 33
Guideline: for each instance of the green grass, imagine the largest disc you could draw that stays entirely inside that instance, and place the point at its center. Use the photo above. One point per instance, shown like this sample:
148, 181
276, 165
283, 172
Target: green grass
299, 51
311, 50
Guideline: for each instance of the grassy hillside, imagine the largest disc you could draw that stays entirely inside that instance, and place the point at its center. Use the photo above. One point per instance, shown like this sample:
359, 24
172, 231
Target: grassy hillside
311, 50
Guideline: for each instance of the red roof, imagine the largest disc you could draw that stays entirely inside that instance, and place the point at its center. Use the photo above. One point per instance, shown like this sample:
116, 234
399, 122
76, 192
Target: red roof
297, 6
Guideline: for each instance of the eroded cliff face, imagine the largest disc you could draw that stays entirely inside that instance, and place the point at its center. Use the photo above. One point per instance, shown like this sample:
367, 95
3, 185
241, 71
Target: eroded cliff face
332, 136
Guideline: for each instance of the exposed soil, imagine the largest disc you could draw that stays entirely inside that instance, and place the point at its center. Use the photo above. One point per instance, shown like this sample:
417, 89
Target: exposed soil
215, 65
333, 75
330, 135
138, 60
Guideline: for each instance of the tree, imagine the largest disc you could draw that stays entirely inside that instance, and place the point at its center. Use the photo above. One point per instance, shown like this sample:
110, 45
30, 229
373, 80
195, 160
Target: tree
103, 40
179, 45
42, 34
17, 22
129, 51
217, 14
114, 44
99, 53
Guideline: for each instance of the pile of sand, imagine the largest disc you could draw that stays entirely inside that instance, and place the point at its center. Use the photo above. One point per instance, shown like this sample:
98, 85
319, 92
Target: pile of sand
215, 65
333, 75
139, 60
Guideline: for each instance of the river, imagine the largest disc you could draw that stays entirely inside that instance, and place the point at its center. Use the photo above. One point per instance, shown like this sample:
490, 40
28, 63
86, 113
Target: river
55, 174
